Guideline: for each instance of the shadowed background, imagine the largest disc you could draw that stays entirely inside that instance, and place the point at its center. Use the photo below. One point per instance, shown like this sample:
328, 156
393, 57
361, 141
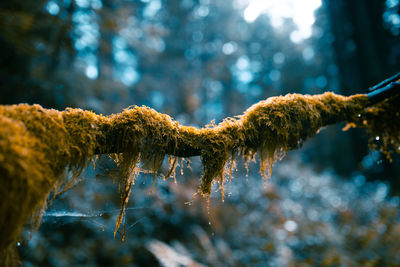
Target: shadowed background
198, 61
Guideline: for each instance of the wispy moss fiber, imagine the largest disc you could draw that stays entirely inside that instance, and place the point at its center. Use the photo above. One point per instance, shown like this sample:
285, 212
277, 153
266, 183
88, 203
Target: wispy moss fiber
38, 146
382, 123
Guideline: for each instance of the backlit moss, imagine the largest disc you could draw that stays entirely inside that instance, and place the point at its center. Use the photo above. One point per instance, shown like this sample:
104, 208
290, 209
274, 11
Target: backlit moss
382, 122
38, 146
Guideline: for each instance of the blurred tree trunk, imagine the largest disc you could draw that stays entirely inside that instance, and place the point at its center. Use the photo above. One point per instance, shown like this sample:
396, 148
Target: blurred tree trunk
59, 39
107, 27
363, 53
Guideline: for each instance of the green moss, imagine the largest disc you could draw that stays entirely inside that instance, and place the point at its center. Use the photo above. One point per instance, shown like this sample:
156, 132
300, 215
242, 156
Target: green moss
38, 146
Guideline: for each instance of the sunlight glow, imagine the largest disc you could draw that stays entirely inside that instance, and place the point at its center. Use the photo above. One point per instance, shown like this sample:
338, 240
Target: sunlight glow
152, 8
130, 76
301, 12
52, 8
91, 72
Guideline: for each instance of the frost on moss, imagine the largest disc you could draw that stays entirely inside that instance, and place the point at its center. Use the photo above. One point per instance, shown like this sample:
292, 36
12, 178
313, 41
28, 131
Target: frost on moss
38, 146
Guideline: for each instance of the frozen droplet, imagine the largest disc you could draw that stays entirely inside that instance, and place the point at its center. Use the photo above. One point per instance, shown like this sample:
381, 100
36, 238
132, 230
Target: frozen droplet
18, 244
359, 115
377, 138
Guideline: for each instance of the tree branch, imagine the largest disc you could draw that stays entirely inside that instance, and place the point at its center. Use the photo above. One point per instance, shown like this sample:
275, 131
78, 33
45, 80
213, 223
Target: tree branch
37, 144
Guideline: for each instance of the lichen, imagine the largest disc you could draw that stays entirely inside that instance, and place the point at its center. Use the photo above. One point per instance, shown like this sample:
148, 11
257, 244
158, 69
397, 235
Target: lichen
39, 146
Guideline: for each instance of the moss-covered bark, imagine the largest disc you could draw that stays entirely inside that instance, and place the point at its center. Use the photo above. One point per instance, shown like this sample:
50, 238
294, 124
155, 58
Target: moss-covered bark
38, 146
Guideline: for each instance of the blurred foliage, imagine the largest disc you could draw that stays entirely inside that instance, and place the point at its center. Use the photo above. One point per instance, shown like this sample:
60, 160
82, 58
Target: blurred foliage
300, 218
200, 60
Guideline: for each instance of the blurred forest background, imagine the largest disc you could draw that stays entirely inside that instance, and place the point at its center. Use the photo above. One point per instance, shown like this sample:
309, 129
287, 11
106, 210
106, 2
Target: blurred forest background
333, 202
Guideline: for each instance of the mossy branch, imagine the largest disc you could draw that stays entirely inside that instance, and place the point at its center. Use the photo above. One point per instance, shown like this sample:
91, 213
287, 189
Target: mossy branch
267, 119
37, 145
273, 126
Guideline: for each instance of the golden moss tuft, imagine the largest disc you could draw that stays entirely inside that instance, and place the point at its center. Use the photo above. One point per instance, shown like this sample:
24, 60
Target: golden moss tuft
38, 146
382, 123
